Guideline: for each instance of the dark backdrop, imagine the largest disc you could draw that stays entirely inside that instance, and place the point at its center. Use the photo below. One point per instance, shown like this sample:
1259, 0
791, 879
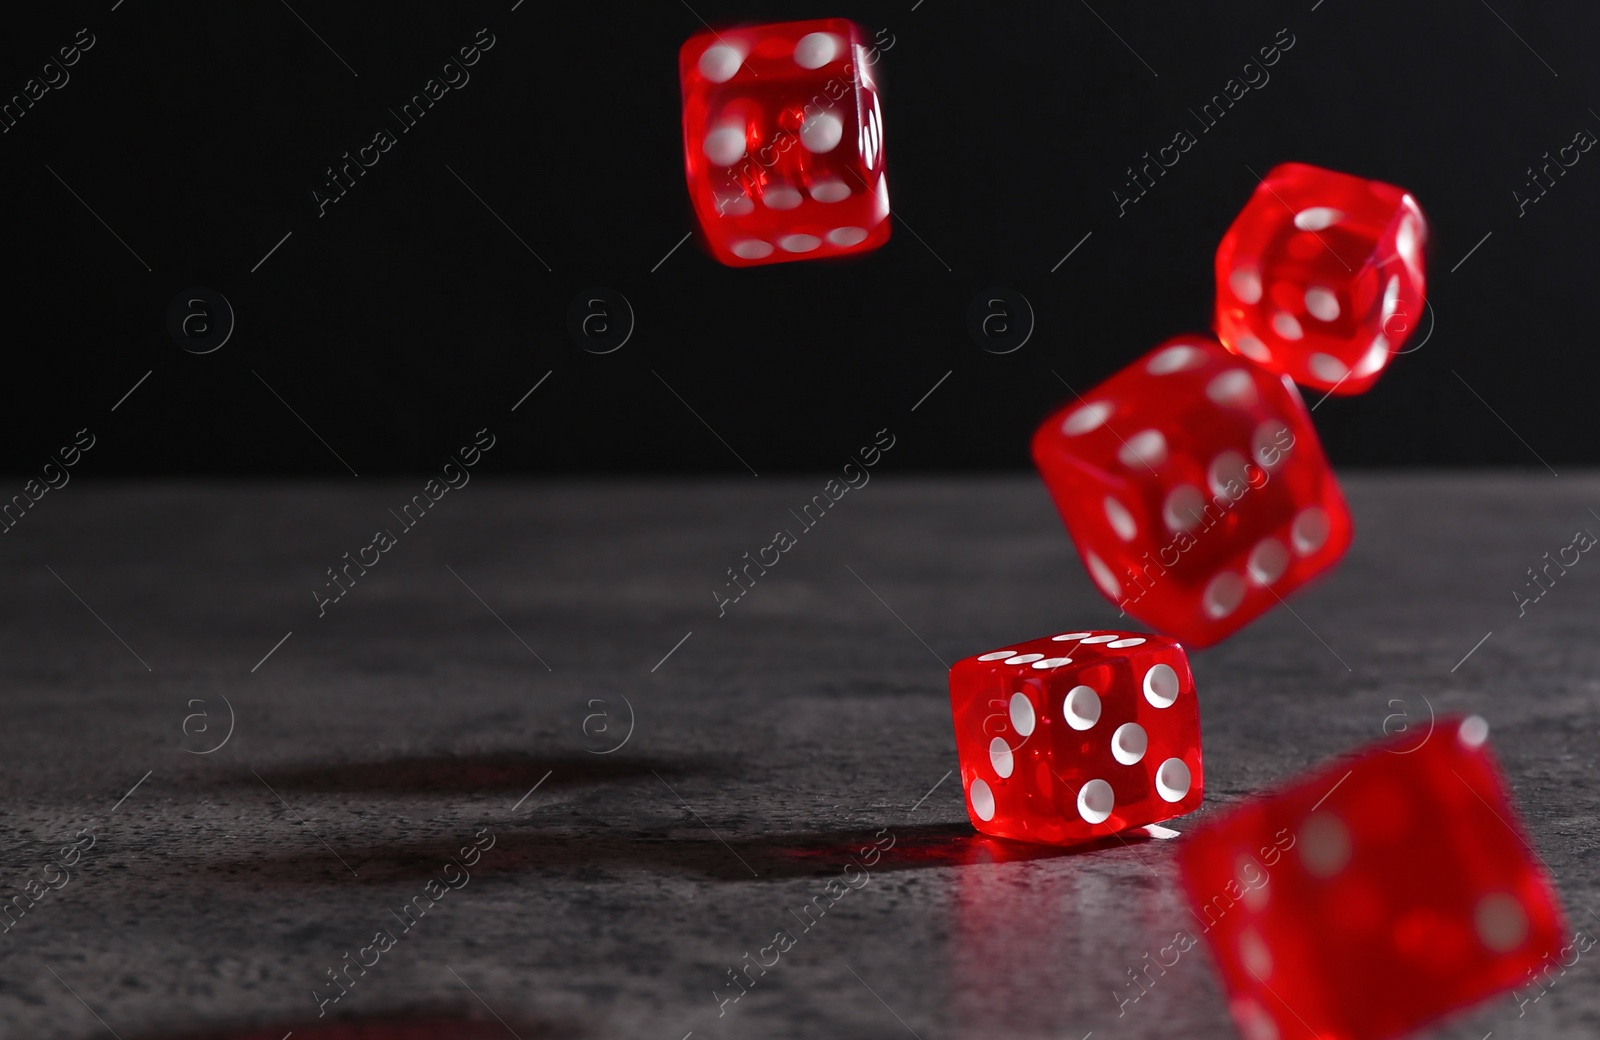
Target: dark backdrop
189, 138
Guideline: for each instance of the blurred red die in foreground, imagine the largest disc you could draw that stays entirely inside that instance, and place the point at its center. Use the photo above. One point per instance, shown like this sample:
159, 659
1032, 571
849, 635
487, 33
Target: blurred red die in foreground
1375, 895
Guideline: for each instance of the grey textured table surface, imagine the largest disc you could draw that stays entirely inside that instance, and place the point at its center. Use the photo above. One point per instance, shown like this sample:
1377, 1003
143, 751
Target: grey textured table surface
482, 655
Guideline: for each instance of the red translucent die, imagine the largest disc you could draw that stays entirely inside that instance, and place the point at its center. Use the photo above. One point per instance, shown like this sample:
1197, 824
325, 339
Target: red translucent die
1375, 895
783, 141
1195, 489
1077, 736
1321, 276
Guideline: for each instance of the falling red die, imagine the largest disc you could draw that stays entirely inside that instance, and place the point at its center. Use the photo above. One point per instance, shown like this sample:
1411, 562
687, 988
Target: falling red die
1375, 895
783, 141
1321, 277
1077, 736
1195, 489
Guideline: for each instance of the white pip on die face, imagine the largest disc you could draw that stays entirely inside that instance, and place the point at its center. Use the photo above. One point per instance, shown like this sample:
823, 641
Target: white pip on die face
1077, 736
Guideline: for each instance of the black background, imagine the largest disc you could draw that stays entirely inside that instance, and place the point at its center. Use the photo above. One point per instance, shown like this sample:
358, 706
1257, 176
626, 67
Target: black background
409, 316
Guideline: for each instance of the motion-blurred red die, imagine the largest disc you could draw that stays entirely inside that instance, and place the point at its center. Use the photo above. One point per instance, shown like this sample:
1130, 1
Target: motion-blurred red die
1194, 488
783, 141
1077, 736
1321, 276
1374, 895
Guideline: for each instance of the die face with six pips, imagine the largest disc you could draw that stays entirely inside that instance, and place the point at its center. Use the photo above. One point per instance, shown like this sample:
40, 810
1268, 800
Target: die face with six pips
1077, 736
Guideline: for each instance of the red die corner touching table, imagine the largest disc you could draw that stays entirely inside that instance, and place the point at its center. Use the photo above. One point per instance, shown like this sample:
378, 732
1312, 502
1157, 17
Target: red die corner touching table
1077, 736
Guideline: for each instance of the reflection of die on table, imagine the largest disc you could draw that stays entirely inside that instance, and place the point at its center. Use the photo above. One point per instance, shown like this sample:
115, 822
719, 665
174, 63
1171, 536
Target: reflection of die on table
783, 141
1077, 736
1375, 894
1195, 489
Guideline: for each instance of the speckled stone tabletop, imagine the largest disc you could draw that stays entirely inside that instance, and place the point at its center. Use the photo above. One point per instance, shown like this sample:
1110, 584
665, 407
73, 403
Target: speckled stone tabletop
530, 775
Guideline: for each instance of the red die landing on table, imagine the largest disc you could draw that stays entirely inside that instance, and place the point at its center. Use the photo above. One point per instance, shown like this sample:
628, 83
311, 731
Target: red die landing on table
1194, 488
1391, 890
1321, 276
783, 141
1077, 736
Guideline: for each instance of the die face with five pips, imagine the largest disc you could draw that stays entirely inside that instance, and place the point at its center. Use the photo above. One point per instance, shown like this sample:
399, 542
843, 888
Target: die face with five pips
1077, 736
